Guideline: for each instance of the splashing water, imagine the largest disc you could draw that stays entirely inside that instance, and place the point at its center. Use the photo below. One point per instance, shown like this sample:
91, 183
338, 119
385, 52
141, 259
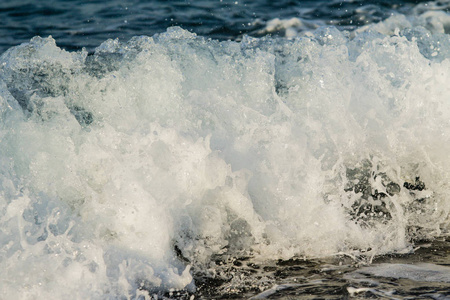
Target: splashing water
125, 171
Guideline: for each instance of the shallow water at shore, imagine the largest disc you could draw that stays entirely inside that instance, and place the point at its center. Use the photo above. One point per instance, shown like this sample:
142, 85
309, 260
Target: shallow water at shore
423, 274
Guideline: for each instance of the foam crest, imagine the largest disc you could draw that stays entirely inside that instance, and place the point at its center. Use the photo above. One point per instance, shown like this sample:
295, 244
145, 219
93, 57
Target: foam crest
127, 170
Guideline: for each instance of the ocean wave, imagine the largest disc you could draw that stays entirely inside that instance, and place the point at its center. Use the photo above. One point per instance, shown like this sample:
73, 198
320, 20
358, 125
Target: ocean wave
431, 15
126, 171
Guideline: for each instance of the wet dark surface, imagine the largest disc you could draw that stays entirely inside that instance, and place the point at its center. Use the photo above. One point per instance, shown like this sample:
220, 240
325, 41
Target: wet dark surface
338, 277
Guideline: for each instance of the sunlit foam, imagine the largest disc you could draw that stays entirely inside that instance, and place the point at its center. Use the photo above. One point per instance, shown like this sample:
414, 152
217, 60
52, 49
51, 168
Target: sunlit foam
123, 170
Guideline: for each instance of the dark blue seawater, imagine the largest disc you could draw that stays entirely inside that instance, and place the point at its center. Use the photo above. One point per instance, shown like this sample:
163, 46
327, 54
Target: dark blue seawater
224, 149
77, 23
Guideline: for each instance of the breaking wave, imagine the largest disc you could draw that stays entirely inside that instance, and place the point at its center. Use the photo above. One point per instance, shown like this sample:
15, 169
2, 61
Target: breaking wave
128, 170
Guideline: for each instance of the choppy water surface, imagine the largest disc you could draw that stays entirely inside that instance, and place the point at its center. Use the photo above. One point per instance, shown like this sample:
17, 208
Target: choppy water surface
308, 163
424, 274
77, 23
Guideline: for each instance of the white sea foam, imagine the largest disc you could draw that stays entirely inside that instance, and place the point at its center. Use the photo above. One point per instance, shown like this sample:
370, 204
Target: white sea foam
123, 170
431, 16
291, 28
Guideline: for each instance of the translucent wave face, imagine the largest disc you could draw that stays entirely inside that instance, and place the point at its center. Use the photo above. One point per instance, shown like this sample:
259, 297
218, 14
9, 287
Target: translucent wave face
122, 170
